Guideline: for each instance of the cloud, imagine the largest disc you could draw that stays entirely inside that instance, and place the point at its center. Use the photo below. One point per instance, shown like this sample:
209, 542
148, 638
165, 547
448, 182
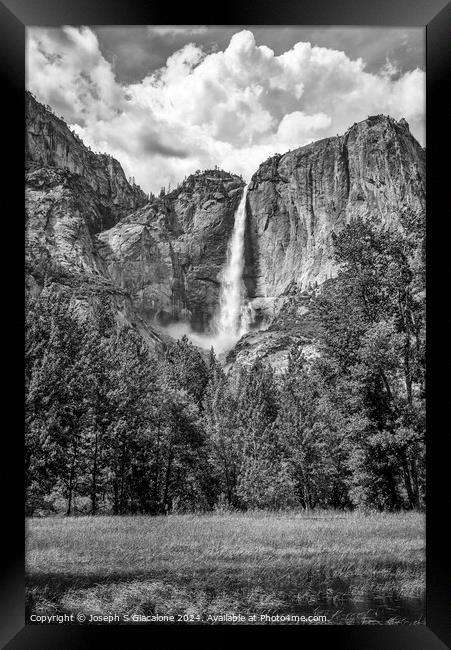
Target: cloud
151, 143
139, 50
390, 68
67, 69
232, 107
177, 30
298, 126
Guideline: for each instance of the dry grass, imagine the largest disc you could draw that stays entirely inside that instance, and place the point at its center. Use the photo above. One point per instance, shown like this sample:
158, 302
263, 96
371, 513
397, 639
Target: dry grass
354, 568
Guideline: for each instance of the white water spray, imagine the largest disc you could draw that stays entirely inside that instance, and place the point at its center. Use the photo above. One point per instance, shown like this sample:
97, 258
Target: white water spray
234, 314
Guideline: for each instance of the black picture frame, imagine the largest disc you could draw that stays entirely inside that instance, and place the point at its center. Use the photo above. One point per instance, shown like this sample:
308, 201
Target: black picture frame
435, 16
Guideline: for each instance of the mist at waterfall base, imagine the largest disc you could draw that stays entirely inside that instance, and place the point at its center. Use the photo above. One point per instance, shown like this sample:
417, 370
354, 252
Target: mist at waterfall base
234, 314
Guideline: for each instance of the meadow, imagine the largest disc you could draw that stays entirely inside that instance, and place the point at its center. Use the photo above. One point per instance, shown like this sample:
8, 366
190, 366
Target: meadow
353, 568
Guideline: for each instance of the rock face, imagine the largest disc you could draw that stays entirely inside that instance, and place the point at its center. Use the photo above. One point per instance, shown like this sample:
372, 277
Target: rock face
61, 209
296, 201
161, 258
50, 143
72, 194
169, 254
295, 204
89, 228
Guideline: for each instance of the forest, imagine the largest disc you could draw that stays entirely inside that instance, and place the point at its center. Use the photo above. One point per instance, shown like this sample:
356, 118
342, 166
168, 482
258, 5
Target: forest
113, 429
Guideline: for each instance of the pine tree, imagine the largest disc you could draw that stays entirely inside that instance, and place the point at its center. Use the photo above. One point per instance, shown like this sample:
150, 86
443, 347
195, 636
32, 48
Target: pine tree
309, 430
54, 396
220, 425
99, 359
187, 368
261, 481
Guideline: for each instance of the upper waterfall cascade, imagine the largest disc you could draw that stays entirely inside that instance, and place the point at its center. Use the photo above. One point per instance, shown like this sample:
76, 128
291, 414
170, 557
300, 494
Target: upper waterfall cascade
234, 313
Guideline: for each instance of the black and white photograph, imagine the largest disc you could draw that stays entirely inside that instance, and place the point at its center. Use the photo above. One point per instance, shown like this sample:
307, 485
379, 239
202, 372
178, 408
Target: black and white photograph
225, 377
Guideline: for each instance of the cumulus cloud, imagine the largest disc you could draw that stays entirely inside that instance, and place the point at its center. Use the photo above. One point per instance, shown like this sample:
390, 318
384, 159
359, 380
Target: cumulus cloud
233, 107
298, 126
65, 68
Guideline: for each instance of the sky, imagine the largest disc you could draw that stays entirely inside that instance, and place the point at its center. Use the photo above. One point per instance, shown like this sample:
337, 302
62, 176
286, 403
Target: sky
169, 100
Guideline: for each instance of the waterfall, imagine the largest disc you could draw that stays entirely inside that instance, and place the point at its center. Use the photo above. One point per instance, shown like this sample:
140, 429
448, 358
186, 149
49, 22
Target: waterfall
233, 317
234, 314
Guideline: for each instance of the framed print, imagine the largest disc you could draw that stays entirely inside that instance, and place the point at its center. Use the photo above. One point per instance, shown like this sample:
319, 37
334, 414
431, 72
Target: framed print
232, 412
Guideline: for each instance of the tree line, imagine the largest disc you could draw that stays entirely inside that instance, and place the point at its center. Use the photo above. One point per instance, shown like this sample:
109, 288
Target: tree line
112, 428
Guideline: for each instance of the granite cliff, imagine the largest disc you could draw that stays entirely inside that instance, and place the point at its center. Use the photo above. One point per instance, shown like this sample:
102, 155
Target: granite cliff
89, 228
161, 258
50, 143
169, 254
297, 201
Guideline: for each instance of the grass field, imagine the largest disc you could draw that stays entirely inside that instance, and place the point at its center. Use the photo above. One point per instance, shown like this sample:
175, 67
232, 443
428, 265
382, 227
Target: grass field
352, 568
